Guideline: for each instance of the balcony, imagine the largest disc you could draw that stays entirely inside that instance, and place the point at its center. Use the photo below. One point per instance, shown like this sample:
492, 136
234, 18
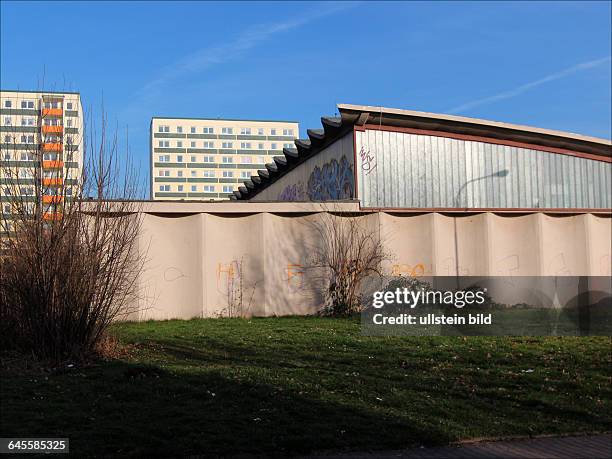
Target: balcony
52, 129
52, 216
52, 199
52, 147
53, 164
51, 112
56, 181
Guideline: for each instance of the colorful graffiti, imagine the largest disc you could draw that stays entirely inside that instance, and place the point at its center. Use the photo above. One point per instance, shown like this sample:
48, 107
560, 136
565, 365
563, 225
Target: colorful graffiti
335, 180
293, 192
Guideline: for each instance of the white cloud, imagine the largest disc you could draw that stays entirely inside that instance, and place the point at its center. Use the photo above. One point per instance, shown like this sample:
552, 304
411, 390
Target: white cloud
528, 86
208, 57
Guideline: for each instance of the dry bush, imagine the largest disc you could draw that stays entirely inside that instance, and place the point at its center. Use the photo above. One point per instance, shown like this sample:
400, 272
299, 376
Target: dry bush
69, 239
347, 253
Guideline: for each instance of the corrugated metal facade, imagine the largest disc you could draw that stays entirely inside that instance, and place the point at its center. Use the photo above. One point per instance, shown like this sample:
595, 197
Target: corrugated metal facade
400, 170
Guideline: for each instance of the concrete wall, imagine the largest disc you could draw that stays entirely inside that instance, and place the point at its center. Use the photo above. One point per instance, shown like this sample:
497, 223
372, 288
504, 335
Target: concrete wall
329, 175
195, 258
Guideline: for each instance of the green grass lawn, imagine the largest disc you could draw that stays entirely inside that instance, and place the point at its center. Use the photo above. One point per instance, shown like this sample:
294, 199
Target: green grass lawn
281, 386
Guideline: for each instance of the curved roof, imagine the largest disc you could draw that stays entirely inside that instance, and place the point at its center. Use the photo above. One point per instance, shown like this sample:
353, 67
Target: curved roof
362, 115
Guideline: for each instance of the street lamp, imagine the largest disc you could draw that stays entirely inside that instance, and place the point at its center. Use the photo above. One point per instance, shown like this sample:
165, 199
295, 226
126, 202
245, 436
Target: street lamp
501, 173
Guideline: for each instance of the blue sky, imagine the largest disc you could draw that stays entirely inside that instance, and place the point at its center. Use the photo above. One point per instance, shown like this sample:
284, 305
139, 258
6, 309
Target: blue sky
542, 64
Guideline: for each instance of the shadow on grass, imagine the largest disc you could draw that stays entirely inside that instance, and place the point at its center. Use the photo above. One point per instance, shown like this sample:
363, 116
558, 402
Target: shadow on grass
137, 410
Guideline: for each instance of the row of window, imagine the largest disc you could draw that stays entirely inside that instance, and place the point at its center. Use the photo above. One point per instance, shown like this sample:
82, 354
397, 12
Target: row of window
229, 130
31, 104
211, 159
206, 173
29, 191
196, 188
226, 145
31, 121
29, 139
29, 156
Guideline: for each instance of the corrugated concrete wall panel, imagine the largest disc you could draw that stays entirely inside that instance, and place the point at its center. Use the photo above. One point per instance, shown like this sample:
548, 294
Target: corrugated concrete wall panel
172, 281
192, 261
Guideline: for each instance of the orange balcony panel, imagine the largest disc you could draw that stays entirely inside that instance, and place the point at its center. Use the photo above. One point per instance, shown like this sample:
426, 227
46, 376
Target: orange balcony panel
52, 147
48, 199
51, 112
52, 164
53, 181
52, 216
52, 129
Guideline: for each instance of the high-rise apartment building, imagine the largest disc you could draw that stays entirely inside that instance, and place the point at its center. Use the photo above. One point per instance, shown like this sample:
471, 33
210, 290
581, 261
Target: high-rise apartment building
202, 159
41, 150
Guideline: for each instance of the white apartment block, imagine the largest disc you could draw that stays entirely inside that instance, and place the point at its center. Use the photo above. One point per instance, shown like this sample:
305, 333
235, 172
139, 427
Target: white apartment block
41, 148
204, 159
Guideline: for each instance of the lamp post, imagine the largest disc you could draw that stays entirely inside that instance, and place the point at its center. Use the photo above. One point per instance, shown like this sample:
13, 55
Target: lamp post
501, 173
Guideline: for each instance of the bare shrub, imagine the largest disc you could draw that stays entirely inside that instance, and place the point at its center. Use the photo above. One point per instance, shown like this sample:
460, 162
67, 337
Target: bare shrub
68, 235
347, 253
239, 295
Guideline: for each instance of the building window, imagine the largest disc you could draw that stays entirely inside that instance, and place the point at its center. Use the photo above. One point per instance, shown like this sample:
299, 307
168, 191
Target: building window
193, 144
260, 146
272, 131
7, 139
208, 130
164, 188
287, 145
8, 104
227, 145
179, 173
179, 144
228, 174
227, 189
228, 159
180, 187
227, 130
27, 157
245, 174
27, 121
209, 159
164, 173
69, 106
7, 120
273, 146
27, 104
164, 158
209, 188
179, 129
69, 122
194, 188
179, 158
194, 173
209, 145
164, 143
193, 130
194, 159
260, 131
288, 132
245, 145
245, 131
164, 129
246, 160
209, 174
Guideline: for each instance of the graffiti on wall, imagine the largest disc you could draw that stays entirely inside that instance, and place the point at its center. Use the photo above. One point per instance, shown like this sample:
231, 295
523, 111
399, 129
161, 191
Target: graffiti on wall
334, 180
293, 192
